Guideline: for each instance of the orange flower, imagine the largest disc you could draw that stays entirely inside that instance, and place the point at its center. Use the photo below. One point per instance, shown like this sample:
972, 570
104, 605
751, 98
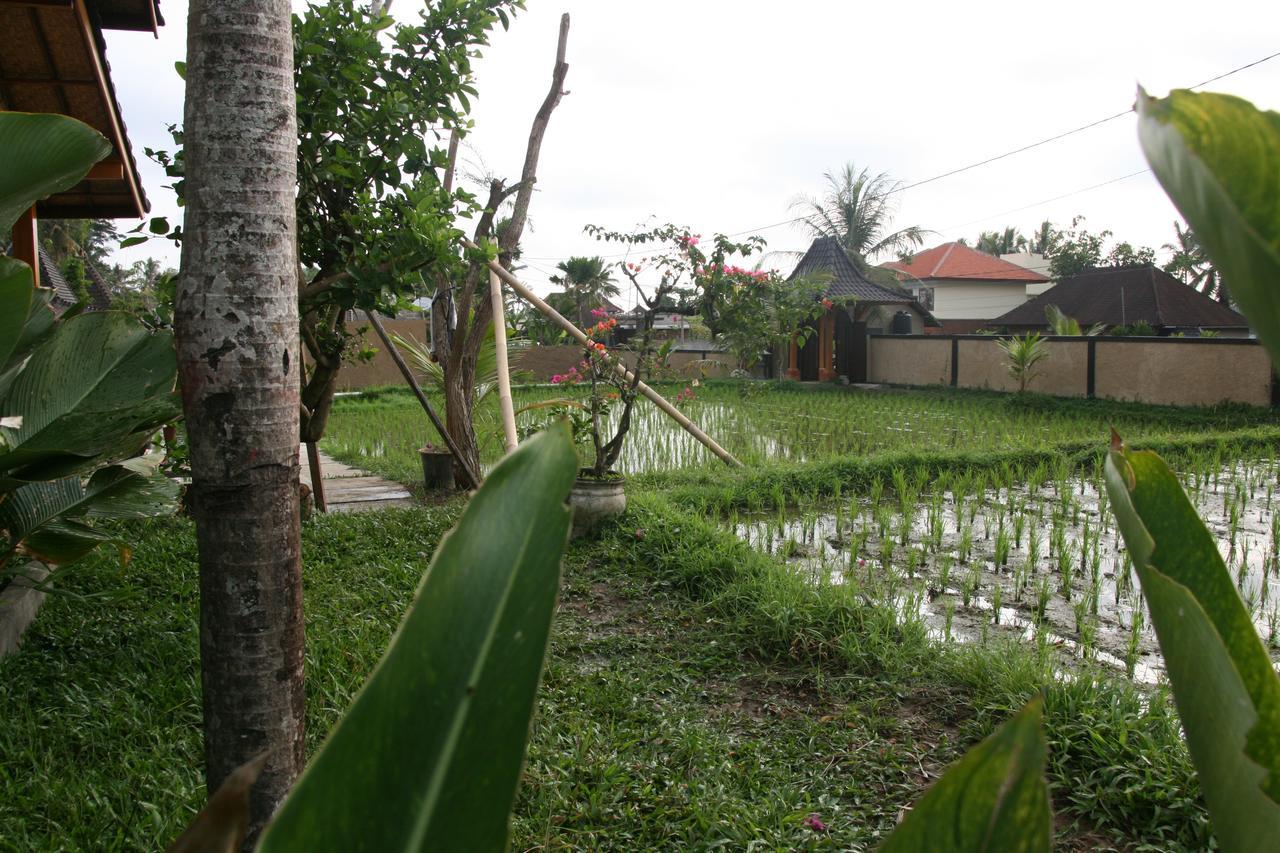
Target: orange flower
599, 347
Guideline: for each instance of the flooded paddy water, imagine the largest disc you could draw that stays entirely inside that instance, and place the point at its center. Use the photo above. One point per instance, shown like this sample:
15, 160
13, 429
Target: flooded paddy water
1040, 560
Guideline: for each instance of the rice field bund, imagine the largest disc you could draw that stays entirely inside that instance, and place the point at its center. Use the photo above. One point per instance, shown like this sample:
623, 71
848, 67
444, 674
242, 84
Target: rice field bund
1022, 548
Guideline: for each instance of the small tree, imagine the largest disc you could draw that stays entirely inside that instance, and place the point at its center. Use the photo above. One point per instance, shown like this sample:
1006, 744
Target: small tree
1061, 324
1024, 354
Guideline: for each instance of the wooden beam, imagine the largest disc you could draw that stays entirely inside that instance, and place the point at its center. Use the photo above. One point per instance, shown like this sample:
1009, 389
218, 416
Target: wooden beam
45, 81
107, 170
118, 138
26, 242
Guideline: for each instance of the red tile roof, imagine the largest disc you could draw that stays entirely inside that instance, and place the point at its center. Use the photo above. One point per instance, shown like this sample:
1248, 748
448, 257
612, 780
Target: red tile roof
954, 260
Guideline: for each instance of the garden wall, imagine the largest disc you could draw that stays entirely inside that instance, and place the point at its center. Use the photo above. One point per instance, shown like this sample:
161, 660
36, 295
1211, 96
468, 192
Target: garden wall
542, 362
1168, 371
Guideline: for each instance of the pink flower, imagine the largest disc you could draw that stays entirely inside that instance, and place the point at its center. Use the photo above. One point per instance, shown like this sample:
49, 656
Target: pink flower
599, 312
815, 823
557, 379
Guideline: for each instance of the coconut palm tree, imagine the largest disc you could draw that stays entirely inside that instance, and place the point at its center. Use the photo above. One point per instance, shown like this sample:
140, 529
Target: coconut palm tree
857, 210
236, 334
588, 282
1193, 266
1001, 242
1045, 239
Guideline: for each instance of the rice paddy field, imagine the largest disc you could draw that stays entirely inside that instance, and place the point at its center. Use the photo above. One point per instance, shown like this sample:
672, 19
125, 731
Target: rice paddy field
1022, 549
765, 423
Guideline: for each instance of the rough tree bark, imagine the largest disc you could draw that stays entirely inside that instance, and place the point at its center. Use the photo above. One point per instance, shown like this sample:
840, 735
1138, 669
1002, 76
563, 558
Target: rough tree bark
236, 323
459, 346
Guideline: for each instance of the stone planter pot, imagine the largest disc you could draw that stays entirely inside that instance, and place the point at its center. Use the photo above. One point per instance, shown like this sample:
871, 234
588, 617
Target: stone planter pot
594, 501
437, 468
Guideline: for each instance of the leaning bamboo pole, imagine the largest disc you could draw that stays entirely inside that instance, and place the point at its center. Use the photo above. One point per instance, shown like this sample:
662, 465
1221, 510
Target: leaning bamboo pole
581, 337
472, 476
504, 374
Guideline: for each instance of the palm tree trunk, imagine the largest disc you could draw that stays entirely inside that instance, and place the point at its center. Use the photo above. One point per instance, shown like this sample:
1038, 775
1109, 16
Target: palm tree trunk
236, 321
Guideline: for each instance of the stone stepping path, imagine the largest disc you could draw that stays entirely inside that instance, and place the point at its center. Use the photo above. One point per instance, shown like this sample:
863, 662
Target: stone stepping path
348, 489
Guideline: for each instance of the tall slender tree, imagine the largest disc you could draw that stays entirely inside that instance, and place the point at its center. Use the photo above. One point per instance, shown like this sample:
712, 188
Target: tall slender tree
1001, 242
587, 282
1193, 266
236, 323
858, 210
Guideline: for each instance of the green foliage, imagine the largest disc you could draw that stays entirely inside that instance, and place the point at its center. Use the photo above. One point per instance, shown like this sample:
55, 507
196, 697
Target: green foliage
587, 283
1024, 354
1192, 264
1077, 250
1227, 692
992, 799
857, 210
1000, 243
78, 397
1061, 324
1217, 157
429, 754
1140, 329
44, 154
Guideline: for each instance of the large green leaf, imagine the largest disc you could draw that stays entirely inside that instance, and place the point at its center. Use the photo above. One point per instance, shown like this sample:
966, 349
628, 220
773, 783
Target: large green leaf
1218, 158
43, 153
1227, 693
100, 385
134, 490
429, 755
16, 291
993, 799
27, 326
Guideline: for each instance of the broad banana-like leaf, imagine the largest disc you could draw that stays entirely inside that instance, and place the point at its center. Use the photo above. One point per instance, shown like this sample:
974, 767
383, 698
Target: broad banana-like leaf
1218, 158
43, 154
64, 541
1227, 693
96, 388
29, 324
429, 755
117, 491
16, 292
993, 799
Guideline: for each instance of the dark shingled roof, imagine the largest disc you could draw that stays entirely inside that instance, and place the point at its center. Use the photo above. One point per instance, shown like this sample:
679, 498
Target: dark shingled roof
1120, 296
825, 257
63, 296
848, 283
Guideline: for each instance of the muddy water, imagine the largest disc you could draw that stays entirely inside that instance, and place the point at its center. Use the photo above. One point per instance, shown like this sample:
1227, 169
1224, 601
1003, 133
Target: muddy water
1043, 564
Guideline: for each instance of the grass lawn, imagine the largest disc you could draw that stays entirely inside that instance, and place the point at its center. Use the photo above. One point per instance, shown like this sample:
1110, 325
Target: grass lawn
698, 693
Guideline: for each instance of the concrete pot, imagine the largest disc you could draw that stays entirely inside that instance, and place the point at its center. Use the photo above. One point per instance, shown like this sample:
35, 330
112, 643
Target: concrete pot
594, 501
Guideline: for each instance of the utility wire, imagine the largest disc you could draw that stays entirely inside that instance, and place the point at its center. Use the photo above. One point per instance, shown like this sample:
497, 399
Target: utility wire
1003, 156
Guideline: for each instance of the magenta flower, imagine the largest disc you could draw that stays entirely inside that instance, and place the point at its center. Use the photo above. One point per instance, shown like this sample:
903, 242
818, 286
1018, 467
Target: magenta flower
815, 823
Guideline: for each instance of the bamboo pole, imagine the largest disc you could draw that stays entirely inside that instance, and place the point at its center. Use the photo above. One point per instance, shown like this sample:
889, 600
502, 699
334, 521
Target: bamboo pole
317, 477
422, 398
504, 373
657, 399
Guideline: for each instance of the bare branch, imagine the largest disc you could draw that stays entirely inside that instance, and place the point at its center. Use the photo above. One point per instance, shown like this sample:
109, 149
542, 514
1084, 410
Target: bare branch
510, 237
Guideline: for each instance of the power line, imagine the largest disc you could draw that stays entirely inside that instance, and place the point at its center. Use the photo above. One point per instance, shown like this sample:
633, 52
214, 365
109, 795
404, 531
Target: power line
998, 157
1048, 200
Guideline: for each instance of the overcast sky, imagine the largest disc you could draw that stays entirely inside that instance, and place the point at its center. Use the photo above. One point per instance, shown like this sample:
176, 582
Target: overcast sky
718, 113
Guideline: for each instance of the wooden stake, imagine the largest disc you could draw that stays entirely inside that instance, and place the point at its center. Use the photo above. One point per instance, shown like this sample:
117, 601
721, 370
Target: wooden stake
504, 373
581, 337
317, 477
471, 475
